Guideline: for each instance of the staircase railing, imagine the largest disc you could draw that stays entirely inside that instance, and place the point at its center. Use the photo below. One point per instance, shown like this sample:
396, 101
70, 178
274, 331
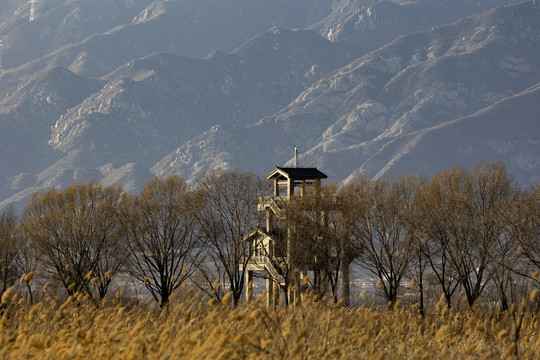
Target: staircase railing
270, 267
276, 205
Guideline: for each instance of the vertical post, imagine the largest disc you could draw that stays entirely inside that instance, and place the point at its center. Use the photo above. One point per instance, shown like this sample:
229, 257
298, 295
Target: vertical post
276, 188
297, 298
269, 290
294, 287
317, 185
249, 287
269, 220
290, 295
290, 188
345, 275
303, 288
276, 294
317, 281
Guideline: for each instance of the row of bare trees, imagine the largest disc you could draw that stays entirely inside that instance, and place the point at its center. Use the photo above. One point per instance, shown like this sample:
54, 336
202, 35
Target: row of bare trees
88, 237
459, 232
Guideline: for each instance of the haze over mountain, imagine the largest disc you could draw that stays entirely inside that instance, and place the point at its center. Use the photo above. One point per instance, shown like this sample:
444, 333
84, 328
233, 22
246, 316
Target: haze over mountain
123, 90
189, 96
416, 82
492, 133
92, 38
365, 26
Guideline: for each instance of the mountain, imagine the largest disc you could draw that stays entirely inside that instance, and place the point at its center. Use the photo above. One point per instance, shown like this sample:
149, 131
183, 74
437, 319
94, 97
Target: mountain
60, 23
494, 133
148, 106
28, 110
366, 25
145, 108
92, 38
114, 99
418, 82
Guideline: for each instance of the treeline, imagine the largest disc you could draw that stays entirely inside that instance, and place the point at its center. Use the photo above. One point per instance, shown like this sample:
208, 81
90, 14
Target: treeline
475, 233
87, 238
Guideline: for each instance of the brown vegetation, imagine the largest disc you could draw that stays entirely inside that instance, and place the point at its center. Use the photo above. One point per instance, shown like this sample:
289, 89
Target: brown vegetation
456, 259
192, 327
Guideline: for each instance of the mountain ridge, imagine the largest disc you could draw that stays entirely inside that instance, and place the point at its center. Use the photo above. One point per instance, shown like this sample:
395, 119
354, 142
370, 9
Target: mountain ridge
376, 114
368, 81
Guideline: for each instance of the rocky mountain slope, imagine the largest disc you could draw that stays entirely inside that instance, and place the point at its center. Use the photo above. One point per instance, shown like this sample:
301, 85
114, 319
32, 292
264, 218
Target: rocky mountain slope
415, 83
363, 26
28, 110
92, 38
145, 108
150, 105
112, 99
496, 132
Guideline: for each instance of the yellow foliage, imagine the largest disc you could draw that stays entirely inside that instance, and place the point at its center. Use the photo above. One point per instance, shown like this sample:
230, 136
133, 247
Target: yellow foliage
8, 295
195, 328
227, 298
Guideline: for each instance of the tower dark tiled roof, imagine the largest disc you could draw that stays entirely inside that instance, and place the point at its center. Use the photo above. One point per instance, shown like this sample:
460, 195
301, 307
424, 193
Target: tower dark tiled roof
297, 173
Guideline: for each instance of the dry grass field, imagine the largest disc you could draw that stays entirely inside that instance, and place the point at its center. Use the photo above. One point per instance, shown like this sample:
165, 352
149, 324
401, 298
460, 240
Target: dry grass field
194, 328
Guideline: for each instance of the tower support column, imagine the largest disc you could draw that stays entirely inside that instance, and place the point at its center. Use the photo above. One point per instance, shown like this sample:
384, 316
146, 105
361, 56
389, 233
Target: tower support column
249, 285
269, 290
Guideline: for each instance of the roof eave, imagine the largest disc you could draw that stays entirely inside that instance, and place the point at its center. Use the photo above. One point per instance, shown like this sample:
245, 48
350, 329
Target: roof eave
277, 171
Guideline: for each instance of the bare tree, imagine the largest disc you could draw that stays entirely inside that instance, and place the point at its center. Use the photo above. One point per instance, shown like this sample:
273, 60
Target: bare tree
75, 232
489, 191
523, 230
419, 261
27, 260
379, 229
227, 215
158, 229
463, 223
437, 206
318, 234
418, 267
10, 271
350, 201
505, 264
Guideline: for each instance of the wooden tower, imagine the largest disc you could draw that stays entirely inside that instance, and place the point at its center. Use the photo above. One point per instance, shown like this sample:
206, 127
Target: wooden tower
271, 249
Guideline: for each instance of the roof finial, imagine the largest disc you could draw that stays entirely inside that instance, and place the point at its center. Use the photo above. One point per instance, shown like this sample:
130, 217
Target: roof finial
295, 156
